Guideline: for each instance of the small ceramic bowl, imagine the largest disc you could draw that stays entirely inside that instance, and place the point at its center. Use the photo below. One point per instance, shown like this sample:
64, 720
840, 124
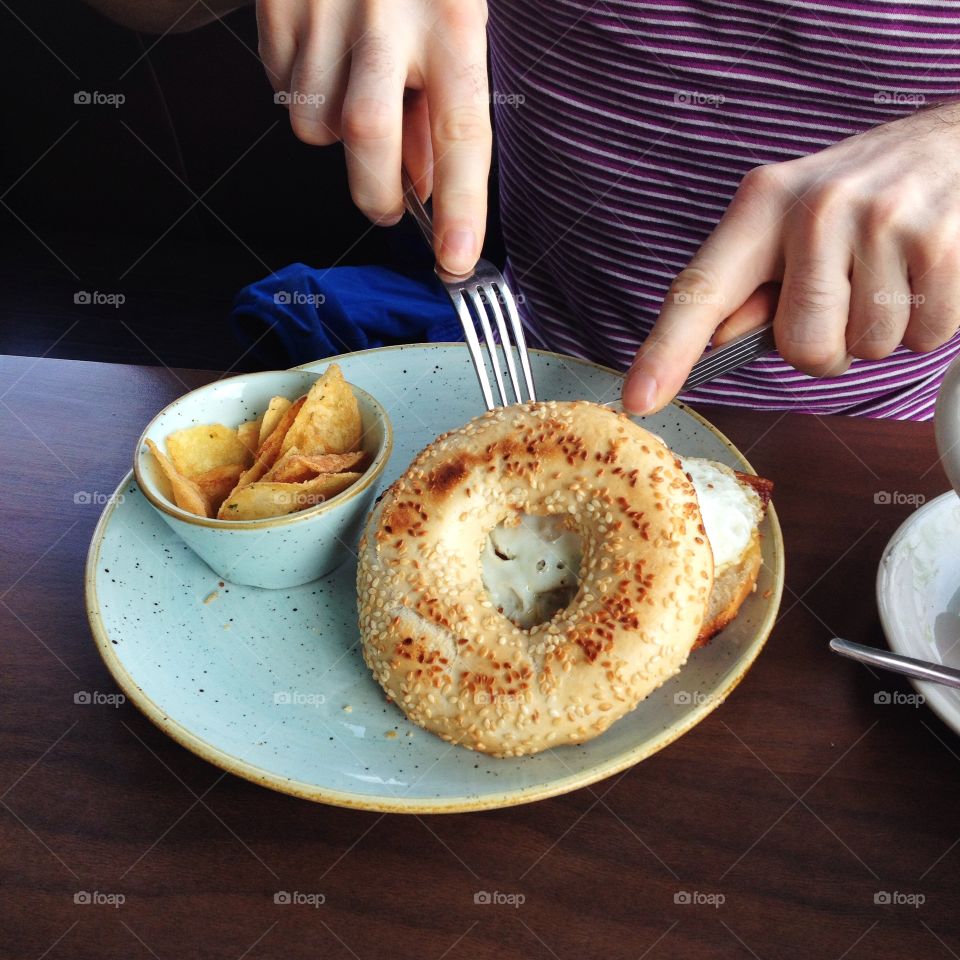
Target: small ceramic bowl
279, 551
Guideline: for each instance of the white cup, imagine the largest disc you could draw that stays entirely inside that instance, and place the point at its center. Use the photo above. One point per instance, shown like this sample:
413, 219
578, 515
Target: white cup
947, 424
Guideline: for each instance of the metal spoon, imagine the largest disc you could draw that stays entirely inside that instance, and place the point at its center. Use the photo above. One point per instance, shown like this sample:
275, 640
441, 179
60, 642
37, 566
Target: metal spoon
921, 669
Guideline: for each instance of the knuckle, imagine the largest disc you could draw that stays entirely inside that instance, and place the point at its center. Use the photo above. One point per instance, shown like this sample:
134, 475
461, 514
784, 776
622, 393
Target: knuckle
462, 15
886, 211
877, 333
937, 248
695, 285
310, 128
924, 335
375, 54
367, 119
464, 124
376, 206
760, 182
813, 301
826, 198
815, 359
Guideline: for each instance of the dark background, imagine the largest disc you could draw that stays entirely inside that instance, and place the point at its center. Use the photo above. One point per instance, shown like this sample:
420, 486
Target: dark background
192, 188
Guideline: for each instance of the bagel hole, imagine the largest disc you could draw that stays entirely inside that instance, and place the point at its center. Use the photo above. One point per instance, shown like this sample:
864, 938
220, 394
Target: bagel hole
531, 567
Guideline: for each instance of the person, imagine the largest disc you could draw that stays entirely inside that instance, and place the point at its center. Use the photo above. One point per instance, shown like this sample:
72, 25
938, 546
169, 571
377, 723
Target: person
671, 174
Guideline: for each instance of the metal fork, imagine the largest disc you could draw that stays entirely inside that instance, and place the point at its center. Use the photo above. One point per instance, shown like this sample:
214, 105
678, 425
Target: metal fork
485, 291
736, 353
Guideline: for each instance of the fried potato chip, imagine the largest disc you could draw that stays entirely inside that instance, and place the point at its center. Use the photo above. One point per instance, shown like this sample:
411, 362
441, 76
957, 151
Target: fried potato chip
329, 421
294, 467
270, 449
277, 407
202, 448
249, 435
256, 501
186, 494
217, 483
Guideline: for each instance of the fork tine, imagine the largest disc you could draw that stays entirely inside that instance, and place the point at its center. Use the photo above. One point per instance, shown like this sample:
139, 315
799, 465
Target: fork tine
518, 338
473, 293
473, 345
490, 294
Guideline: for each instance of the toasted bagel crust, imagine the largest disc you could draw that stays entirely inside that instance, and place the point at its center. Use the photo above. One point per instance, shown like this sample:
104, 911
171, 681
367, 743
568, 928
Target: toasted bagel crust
458, 667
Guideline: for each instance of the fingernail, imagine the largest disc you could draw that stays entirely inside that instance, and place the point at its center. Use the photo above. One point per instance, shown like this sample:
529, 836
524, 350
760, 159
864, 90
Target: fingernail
639, 393
458, 251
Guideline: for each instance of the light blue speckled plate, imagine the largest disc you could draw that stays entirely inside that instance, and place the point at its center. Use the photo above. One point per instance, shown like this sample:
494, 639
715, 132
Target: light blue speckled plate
270, 684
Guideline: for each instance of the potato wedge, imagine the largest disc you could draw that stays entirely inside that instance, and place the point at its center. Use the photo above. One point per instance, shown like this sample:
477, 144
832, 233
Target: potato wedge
249, 435
186, 494
257, 501
207, 446
217, 483
270, 449
294, 467
329, 421
277, 407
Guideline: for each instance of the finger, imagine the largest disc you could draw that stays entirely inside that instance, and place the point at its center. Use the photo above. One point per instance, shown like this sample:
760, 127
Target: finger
372, 126
934, 268
811, 319
277, 44
879, 299
457, 93
417, 145
742, 253
758, 309
318, 81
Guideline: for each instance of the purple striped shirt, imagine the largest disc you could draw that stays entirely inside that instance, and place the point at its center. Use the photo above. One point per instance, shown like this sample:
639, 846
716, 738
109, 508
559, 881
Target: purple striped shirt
624, 129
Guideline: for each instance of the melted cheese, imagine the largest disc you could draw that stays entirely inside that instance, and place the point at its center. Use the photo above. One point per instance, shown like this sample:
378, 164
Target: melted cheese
531, 569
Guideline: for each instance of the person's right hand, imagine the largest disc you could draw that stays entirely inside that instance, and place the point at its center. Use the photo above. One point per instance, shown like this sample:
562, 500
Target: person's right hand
345, 65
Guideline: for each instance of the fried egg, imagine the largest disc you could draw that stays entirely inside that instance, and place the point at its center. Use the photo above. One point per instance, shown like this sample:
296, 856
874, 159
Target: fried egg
730, 509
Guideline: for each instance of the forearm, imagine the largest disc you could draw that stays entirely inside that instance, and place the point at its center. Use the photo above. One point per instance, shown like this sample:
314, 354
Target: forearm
165, 16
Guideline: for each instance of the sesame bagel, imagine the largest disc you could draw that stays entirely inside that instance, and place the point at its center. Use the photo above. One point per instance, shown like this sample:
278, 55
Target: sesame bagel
441, 648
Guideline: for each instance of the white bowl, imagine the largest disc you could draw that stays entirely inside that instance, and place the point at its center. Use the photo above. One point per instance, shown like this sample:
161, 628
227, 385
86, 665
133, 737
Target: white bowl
278, 551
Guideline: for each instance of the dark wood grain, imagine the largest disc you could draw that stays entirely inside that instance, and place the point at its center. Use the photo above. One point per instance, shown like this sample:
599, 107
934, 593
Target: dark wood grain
797, 801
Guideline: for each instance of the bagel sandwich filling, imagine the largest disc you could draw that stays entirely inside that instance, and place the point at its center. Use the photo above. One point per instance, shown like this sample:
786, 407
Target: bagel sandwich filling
535, 574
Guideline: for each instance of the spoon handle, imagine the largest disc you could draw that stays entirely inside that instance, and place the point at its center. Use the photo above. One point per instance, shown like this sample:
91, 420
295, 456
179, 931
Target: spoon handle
921, 669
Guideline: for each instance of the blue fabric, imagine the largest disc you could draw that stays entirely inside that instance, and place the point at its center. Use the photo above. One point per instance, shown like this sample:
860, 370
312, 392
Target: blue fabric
299, 313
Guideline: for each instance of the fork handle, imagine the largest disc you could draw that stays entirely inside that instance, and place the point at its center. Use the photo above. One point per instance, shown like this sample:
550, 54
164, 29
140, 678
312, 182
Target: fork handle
415, 205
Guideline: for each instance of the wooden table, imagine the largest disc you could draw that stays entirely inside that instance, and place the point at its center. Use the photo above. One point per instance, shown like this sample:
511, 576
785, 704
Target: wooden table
782, 815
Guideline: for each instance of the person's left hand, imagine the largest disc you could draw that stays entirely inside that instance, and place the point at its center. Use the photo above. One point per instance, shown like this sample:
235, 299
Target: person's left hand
853, 250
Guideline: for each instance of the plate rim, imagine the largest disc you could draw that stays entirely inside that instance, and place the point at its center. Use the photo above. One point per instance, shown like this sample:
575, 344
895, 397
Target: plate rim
309, 791
935, 696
